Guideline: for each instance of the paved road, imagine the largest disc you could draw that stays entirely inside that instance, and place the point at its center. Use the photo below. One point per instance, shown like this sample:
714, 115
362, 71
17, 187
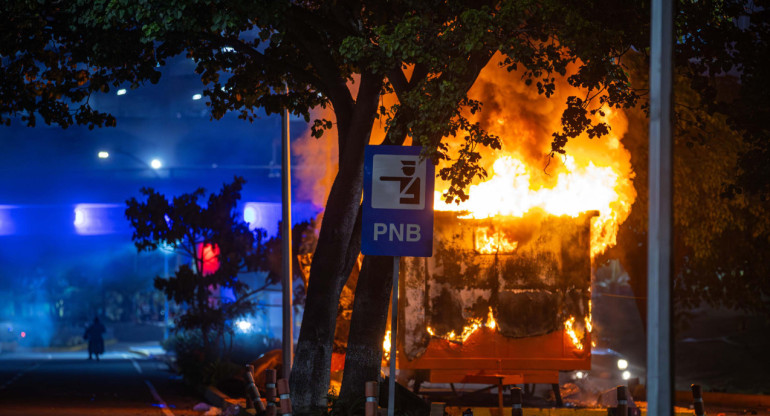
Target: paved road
66, 383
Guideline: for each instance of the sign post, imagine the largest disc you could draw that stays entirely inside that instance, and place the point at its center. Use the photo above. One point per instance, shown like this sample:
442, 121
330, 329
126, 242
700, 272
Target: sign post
397, 219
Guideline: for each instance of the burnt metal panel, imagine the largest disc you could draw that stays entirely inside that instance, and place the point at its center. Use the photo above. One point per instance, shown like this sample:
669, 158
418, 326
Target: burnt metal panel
532, 282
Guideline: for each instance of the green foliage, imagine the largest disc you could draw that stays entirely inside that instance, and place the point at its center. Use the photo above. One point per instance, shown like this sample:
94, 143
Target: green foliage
190, 357
188, 227
427, 52
720, 232
198, 368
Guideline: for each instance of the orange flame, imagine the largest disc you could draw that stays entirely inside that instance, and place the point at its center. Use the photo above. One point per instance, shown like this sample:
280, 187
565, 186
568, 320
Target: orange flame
491, 242
509, 192
468, 330
386, 346
589, 318
491, 323
595, 175
569, 329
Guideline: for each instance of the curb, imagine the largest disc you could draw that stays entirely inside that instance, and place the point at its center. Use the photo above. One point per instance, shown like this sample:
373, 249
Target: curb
728, 399
142, 352
555, 411
215, 397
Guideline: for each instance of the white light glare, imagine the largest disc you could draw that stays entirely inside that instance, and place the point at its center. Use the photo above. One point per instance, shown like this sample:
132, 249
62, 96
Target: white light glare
156, 164
197, 97
579, 375
121, 91
250, 214
103, 154
622, 364
626, 375
80, 217
243, 326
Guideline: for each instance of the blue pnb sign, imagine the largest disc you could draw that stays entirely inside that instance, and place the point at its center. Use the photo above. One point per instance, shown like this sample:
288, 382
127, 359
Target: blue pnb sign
397, 218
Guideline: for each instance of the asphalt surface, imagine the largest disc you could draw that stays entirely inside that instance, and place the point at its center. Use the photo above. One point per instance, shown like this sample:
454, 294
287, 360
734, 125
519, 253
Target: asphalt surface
126, 381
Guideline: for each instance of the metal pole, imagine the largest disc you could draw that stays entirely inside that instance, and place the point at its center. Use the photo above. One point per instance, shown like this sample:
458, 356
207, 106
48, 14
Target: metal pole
393, 335
659, 259
165, 305
288, 327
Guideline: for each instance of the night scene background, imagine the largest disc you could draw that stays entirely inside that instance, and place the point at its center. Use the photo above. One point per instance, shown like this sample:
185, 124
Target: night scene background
67, 255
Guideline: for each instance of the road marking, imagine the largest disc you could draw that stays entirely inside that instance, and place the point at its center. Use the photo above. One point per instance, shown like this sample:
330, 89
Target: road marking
136, 365
163, 405
18, 376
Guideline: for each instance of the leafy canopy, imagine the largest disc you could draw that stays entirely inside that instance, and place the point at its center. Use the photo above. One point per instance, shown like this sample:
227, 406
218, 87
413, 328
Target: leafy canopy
301, 55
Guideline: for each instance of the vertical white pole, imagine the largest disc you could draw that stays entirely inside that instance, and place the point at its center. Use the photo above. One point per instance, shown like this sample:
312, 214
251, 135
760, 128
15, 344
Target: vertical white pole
659, 246
393, 335
288, 321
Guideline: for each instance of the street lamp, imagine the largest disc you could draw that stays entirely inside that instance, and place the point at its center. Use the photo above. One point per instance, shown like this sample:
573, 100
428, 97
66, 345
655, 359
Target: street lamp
155, 164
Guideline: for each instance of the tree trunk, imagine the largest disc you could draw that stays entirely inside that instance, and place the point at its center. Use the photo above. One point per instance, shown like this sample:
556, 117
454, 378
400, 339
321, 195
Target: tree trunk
339, 243
367, 327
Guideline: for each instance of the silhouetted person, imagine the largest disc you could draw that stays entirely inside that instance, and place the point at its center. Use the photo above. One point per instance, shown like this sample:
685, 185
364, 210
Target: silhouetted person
95, 340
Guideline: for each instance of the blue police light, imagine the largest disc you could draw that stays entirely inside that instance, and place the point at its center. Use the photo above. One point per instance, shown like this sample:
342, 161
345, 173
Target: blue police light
81, 217
97, 219
251, 214
262, 215
6, 222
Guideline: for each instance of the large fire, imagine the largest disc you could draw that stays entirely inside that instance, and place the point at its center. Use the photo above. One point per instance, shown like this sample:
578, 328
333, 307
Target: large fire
595, 175
511, 192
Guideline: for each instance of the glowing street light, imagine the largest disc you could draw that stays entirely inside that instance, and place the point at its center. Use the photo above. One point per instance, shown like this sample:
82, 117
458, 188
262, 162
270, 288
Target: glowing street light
155, 164
121, 91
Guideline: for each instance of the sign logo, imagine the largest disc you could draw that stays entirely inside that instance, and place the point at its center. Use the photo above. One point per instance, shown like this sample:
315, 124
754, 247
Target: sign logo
398, 182
398, 202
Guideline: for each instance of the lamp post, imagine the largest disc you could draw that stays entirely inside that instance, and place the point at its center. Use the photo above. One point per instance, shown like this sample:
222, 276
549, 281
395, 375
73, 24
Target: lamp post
660, 392
288, 318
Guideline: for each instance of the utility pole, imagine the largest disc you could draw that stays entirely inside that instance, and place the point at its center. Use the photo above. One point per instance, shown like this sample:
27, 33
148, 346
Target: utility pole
659, 246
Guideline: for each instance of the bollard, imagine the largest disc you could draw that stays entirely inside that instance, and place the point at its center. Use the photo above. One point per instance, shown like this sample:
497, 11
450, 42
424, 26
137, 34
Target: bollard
697, 398
283, 393
516, 409
371, 398
252, 390
270, 393
622, 409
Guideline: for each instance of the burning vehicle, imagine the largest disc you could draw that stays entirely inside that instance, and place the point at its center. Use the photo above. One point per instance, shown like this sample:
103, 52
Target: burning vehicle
501, 298
506, 297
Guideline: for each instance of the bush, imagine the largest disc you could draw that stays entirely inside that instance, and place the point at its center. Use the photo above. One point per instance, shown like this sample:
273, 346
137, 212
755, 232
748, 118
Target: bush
222, 363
